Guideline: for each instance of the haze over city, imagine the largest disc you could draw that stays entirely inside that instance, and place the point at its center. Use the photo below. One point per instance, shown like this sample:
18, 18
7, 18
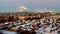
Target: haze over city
31, 4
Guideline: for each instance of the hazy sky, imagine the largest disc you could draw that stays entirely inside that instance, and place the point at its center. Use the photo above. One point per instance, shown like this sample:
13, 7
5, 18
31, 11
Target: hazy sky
32, 4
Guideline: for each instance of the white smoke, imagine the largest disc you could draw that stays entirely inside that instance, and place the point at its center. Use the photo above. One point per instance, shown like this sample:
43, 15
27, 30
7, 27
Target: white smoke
25, 9
22, 8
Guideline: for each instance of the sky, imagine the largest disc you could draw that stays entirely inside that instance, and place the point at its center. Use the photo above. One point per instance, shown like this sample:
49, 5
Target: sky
32, 4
